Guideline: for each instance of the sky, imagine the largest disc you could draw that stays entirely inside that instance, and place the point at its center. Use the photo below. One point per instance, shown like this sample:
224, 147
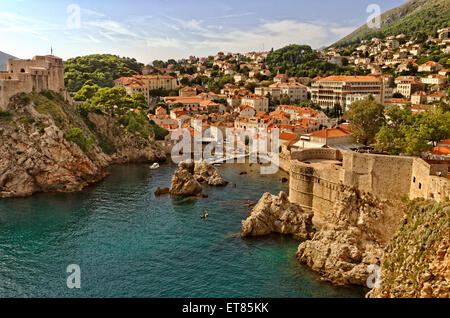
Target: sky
164, 29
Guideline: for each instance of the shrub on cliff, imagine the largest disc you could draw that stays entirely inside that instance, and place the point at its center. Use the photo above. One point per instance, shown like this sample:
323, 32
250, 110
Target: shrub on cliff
5, 114
77, 136
137, 123
160, 133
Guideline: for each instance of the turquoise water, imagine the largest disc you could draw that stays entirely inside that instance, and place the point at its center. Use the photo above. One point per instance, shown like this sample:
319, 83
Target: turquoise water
130, 244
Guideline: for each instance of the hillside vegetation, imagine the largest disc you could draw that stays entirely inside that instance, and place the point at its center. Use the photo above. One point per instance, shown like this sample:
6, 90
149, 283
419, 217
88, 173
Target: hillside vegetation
419, 18
100, 69
301, 60
416, 261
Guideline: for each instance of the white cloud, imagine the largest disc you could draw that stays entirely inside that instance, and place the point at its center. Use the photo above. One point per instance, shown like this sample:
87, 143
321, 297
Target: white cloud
164, 43
111, 28
194, 34
237, 15
342, 31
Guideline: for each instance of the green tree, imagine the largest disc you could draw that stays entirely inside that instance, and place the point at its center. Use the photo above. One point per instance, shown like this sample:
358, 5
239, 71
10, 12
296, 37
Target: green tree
108, 98
185, 81
433, 125
86, 92
251, 87
366, 118
411, 135
285, 100
139, 101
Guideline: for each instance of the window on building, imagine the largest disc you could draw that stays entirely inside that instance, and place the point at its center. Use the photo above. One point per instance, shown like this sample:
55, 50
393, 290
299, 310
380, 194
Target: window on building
420, 185
414, 179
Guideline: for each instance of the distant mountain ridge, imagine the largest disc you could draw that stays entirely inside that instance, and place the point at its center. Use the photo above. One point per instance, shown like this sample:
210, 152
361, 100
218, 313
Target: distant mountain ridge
4, 59
414, 18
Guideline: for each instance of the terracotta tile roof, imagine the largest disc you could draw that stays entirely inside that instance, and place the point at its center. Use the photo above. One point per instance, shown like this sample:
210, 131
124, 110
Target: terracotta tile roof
396, 100
441, 150
287, 136
188, 89
331, 133
287, 84
349, 79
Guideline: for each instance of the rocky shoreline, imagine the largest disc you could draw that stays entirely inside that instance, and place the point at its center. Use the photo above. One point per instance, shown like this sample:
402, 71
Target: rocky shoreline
359, 233
39, 156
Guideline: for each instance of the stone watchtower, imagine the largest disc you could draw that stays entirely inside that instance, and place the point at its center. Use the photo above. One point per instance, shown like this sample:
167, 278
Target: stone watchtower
25, 76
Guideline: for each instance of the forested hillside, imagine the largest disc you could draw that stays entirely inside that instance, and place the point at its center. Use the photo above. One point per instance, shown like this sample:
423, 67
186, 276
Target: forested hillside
101, 69
419, 18
301, 60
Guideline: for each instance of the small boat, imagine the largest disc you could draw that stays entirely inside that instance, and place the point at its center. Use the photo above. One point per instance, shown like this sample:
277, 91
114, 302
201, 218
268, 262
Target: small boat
205, 215
154, 166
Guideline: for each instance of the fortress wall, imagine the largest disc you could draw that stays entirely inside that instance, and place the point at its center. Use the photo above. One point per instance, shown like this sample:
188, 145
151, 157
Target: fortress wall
328, 154
10, 88
326, 192
318, 185
387, 177
420, 180
284, 161
301, 185
438, 188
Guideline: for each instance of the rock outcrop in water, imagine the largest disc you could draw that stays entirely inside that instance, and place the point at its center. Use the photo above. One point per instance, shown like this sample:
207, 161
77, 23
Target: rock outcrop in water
187, 178
205, 172
48, 147
183, 182
416, 263
275, 214
352, 238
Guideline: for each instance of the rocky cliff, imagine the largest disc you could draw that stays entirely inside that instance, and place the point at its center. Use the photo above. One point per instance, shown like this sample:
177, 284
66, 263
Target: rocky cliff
416, 262
343, 244
275, 214
409, 241
47, 146
351, 239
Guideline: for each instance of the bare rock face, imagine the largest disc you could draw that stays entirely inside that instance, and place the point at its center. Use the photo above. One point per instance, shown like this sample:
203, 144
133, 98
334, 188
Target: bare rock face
207, 173
183, 182
46, 163
277, 214
351, 239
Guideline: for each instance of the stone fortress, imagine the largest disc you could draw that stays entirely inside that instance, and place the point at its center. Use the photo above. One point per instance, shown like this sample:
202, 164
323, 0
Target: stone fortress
319, 176
26, 76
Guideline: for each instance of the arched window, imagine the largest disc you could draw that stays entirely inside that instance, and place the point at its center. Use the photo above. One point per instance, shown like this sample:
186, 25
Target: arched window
22, 70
